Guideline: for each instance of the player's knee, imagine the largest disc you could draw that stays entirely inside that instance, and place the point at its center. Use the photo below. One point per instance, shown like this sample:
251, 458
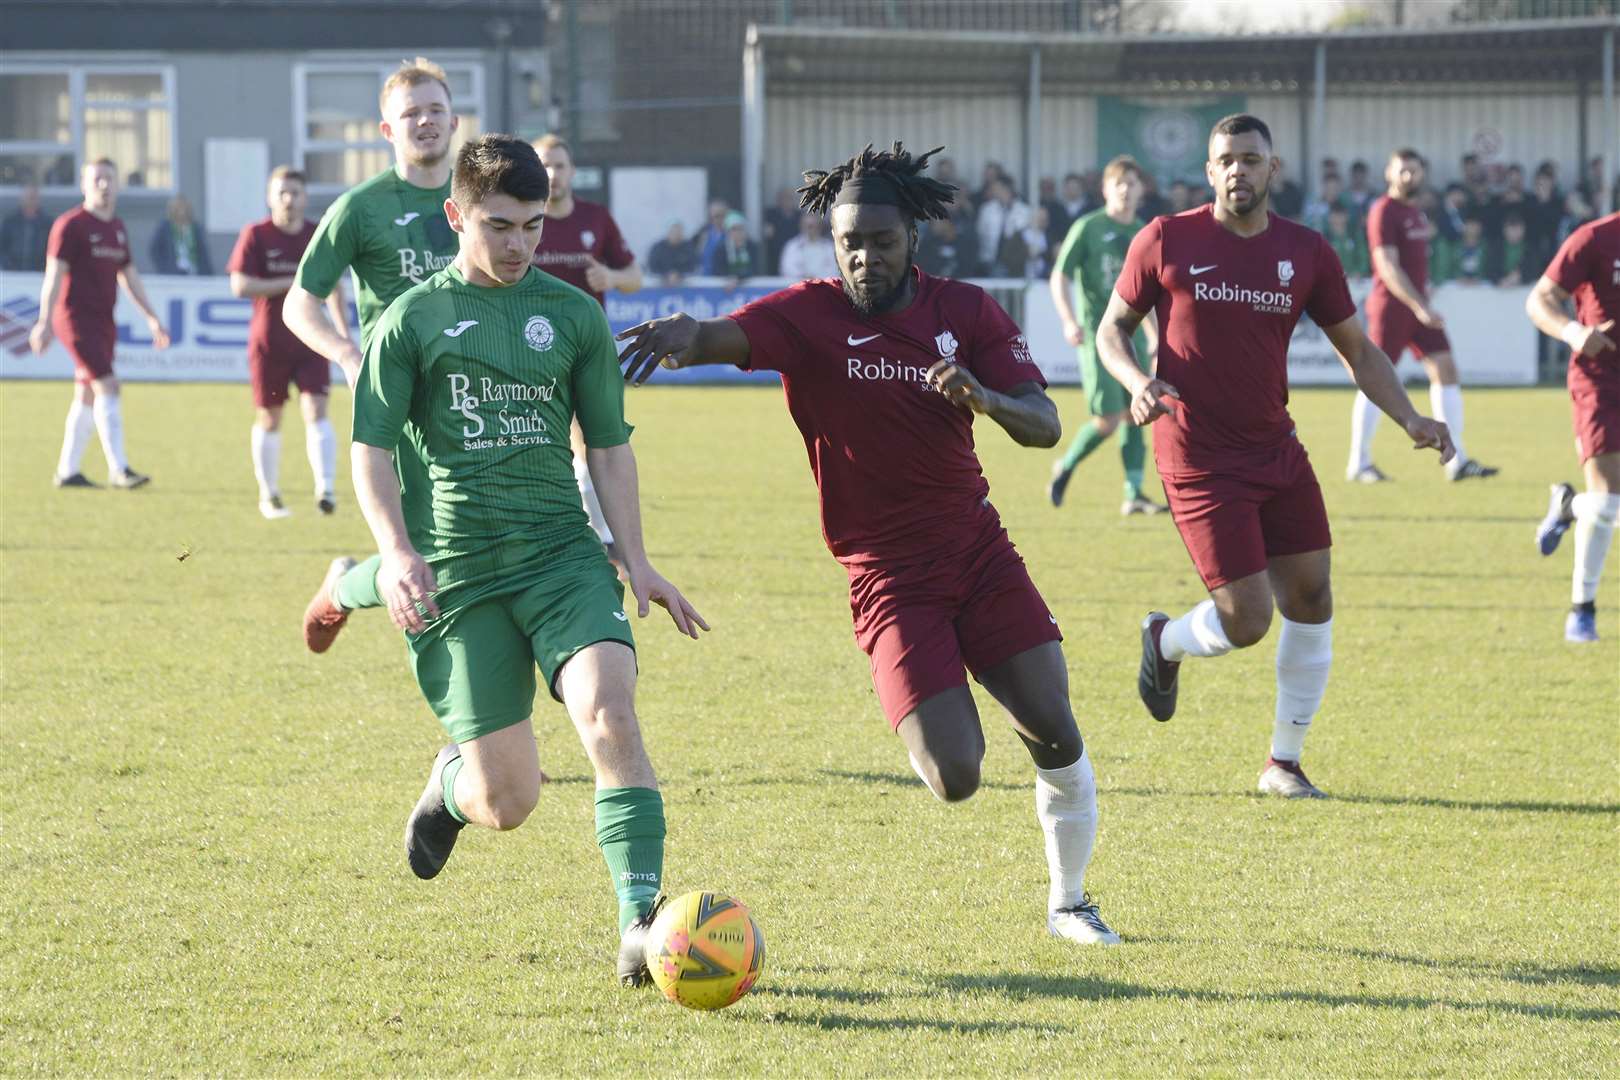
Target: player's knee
954, 779
609, 730
1247, 626
511, 806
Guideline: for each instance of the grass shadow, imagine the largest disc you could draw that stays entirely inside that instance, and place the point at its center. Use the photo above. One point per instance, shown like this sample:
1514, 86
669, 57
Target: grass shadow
899, 779
1532, 806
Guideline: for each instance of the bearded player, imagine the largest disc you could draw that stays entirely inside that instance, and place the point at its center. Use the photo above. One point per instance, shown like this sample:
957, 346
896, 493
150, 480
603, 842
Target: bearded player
496, 571
885, 371
1228, 282
1587, 268
1400, 317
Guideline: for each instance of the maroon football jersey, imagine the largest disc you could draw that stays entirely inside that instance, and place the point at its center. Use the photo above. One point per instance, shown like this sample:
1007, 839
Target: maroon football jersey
568, 244
1227, 306
892, 458
94, 250
264, 251
1587, 267
1392, 223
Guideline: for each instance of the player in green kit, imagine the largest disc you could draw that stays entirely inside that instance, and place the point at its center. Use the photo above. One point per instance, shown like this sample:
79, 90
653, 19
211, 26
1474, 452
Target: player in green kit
482, 368
1090, 260
392, 233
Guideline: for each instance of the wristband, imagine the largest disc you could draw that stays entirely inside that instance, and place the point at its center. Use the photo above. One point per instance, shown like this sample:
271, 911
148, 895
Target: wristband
1572, 334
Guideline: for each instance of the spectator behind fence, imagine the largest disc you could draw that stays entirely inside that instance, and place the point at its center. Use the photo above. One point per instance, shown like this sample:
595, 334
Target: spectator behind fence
711, 236
809, 254
737, 256
1348, 240
1286, 197
1543, 212
1181, 197
946, 249
1469, 264
178, 246
1329, 195
24, 232
992, 175
1001, 220
1071, 204
673, 257
1515, 262
1154, 204
1360, 192
781, 225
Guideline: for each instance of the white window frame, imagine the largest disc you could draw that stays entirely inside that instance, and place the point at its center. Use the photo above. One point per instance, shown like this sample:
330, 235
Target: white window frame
471, 63
76, 73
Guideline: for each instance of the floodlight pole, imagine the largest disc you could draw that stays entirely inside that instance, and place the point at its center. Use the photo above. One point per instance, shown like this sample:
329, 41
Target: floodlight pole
1611, 126
1318, 130
1032, 131
753, 130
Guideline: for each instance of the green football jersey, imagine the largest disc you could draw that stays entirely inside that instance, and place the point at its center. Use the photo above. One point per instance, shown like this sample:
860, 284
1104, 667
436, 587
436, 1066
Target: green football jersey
1092, 256
485, 381
392, 234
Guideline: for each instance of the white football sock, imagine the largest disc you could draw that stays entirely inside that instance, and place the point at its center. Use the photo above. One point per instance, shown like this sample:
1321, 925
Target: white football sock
110, 426
320, 444
1304, 655
1446, 401
1364, 416
1066, 806
1197, 633
75, 437
1595, 516
593, 505
266, 461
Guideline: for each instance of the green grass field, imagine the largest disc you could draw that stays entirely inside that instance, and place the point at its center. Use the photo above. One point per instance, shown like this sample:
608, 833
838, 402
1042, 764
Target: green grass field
200, 860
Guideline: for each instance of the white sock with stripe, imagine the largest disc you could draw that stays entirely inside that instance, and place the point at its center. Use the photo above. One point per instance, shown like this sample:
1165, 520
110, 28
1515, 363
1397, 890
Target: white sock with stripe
1304, 656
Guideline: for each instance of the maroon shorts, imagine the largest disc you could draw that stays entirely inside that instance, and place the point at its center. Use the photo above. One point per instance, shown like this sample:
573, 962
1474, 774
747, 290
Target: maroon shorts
271, 374
1393, 328
91, 349
1234, 523
1594, 397
921, 623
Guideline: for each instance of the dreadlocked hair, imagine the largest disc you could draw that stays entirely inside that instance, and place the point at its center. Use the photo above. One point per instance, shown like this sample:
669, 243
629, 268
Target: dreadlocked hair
921, 196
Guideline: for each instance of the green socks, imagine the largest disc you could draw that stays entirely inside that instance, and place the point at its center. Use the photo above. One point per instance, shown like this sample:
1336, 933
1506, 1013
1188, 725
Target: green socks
448, 778
1132, 454
630, 832
358, 587
1085, 441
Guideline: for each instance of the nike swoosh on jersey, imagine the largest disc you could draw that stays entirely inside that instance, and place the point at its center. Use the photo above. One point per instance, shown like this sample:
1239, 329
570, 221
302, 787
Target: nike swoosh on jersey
853, 340
1196, 270
407, 219
460, 328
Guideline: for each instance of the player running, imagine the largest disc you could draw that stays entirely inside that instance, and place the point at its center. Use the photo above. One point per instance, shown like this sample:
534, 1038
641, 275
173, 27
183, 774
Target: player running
582, 245
481, 368
87, 258
1086, 267
1399, 316
885, 371
263, 266
1586, 267
1229, 282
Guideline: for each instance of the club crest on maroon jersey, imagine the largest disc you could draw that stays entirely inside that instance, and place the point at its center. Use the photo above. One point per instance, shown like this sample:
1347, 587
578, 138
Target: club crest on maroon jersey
1285, 271
946, 344
587, 239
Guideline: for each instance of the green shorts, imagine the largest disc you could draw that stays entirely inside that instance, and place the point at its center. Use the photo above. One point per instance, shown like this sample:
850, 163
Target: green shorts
476, 666
1104, 395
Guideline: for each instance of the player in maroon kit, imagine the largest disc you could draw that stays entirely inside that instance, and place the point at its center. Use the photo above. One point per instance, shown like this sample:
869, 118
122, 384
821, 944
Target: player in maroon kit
582, 245
264, 265
1400, 317
1586, 267
884, 371
87, 257
1228, 282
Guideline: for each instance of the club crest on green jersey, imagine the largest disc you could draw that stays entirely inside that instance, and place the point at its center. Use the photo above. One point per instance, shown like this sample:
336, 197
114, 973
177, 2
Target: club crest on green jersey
538, 332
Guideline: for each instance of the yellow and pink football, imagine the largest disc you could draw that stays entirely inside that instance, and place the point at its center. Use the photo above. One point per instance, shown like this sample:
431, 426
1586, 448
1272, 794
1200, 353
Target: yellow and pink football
704, 950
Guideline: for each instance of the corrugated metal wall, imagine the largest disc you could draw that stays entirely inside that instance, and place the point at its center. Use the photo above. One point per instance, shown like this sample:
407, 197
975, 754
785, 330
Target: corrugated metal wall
1524, 127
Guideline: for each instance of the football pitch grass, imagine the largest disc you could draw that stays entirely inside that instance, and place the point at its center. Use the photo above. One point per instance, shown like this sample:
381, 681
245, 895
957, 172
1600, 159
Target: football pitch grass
201, 868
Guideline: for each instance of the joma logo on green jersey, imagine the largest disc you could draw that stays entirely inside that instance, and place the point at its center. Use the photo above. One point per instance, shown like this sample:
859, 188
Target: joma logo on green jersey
463, 401
416, 265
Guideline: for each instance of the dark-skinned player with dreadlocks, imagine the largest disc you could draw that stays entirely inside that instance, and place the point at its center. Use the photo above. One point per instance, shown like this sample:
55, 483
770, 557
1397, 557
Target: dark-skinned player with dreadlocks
885, 369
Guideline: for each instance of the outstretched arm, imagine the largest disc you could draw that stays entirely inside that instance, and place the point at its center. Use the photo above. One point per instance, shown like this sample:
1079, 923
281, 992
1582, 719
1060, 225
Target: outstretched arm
613, 470
681, 341
1375, 376
1117, 352
1545, 306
